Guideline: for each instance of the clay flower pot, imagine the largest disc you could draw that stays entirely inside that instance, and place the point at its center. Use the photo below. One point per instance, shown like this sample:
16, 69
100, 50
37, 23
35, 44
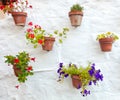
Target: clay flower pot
17, 70
106, 44
75, 18
48, 43
76, 81
19, 18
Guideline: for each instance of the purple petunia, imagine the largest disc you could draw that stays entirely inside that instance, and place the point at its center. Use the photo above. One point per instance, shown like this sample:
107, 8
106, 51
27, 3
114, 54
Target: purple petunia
62, 73
58, 71
90, 83
66, 75
91, 72
86, 92
61, 65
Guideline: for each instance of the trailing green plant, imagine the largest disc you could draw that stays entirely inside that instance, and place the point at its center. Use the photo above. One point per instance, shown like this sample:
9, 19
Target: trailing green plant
21, 61
35, 34
107, 35
77, 7
87, 75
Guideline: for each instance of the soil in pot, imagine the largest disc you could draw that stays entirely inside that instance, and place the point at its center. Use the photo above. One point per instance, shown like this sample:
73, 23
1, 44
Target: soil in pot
106, 44
76, 81
75, 18
19, 18
48, 43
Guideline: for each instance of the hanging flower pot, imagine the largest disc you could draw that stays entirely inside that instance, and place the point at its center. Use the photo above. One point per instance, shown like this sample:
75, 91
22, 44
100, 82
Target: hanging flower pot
48, 43
38, 36
106, 44
19, 18
106, 40
17, 71
20, 62
81, 76
76, 15
76, 81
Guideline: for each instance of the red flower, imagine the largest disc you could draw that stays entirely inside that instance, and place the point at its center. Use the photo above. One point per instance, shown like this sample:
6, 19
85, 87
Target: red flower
40, 41
30, 23
11, 6
37, 26
33, 59
16, 60
17, 86
2, 7
29, 30
30, 6
31, 36
29, 68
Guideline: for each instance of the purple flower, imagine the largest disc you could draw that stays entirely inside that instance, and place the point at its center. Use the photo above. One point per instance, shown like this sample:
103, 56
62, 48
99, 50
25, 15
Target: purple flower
62, 73
93, 66
97, 76
94, 81
85, 91
66, 75
58, 71
61, 65
101, 77
91, 72
88, 92
90, 83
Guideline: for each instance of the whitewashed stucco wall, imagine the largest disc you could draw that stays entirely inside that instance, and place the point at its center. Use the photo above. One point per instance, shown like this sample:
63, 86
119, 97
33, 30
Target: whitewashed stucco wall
79, 47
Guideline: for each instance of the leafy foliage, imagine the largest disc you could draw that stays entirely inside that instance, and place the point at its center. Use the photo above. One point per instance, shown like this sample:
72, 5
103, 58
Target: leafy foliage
76, 7
21, 61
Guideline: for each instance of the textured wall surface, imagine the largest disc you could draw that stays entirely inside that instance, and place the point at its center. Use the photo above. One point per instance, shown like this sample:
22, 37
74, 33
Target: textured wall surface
79, 47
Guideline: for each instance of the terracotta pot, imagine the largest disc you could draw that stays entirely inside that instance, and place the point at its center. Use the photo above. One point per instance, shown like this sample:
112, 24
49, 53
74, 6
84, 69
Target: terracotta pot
48, 43
19, 18
76, 81
75, 18
17, 71
106, 44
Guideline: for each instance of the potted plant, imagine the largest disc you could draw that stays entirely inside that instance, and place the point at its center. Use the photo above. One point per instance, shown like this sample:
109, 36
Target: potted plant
38, 36
20, 64
76, 15
17, 9
81, 77
106, 40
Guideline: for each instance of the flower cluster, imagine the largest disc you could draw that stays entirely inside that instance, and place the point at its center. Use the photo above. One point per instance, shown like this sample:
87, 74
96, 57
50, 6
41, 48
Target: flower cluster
36, 35
107, 35
21, 62
87, 76
15, 6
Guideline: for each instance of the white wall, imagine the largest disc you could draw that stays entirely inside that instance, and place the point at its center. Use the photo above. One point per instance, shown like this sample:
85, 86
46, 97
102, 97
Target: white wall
79, 47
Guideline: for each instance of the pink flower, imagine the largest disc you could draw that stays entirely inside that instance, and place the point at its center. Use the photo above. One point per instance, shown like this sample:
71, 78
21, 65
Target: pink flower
30, 6
29, 30
33, 59
37, 26
30, 23
17, 86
